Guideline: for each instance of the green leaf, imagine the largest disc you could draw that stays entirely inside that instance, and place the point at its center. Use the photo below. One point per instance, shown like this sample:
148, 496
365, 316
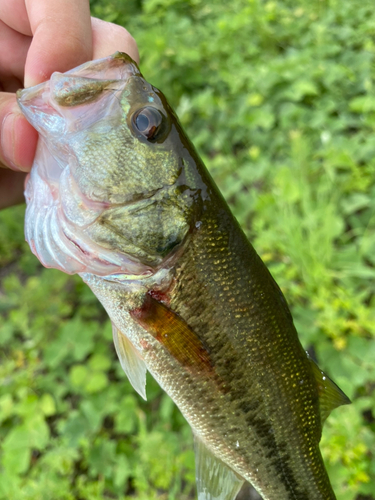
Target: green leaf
79, 375
47, 405
96, 382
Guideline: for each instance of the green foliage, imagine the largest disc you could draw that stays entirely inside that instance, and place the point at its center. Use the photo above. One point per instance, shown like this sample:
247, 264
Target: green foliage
278, 98
70, 424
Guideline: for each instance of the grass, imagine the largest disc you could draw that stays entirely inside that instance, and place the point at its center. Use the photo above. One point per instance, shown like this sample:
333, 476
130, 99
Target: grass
278, 97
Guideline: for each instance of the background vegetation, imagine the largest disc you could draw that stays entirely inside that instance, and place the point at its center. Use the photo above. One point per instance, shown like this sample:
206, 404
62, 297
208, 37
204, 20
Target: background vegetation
278, 97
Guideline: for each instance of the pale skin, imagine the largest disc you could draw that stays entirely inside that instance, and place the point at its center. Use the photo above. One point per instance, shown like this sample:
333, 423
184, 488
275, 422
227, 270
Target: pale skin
38, 37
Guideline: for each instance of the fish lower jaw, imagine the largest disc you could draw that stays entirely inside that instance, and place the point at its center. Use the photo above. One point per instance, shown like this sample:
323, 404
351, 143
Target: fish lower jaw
57, 249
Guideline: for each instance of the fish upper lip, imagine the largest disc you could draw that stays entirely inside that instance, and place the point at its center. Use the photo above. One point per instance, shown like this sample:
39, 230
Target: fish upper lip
118, 67
119, 61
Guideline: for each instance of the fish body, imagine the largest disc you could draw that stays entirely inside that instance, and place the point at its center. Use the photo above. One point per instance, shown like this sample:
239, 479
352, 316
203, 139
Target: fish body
119, 195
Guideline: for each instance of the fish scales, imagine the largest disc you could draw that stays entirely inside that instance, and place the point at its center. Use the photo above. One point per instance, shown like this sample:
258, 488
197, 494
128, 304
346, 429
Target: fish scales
266, 363
121, 197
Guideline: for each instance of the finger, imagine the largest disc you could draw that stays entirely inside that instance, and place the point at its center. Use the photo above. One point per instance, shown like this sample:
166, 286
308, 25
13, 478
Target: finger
13, 52
14, 14
62, 37
18, 139
109, 38
11, 187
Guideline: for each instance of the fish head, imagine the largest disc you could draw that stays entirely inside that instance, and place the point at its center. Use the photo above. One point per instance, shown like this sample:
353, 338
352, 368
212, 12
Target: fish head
114, 187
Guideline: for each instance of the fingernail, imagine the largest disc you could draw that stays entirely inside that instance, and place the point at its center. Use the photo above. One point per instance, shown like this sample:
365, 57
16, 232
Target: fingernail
8, 141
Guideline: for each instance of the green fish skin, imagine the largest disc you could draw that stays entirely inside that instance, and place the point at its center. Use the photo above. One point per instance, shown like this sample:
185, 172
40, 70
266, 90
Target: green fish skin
190, 300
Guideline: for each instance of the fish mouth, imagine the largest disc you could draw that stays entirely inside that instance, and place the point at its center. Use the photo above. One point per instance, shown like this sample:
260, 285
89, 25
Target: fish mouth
58, 214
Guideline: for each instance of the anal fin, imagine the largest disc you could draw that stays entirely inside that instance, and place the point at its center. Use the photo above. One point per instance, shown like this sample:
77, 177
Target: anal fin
330, 395
215, 480
131, 362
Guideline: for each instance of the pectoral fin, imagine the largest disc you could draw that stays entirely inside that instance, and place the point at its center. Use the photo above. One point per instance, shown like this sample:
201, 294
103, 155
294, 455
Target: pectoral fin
131, 362
330, 395
173, 333
215, 480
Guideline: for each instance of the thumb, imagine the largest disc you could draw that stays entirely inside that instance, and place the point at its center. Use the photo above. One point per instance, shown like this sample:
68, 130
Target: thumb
62, 37
18, 139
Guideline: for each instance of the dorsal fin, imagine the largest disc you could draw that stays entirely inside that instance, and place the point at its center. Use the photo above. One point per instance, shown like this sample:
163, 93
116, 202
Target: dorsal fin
215, 480
330, 395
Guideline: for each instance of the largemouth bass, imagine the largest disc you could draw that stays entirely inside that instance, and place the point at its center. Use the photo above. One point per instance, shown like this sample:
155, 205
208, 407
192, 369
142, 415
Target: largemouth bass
119, 195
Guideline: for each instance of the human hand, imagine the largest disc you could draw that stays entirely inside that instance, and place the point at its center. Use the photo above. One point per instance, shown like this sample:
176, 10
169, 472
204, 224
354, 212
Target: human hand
38, 37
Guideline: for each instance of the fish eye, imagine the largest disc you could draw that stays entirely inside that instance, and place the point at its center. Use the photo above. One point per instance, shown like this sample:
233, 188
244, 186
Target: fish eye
149, 123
